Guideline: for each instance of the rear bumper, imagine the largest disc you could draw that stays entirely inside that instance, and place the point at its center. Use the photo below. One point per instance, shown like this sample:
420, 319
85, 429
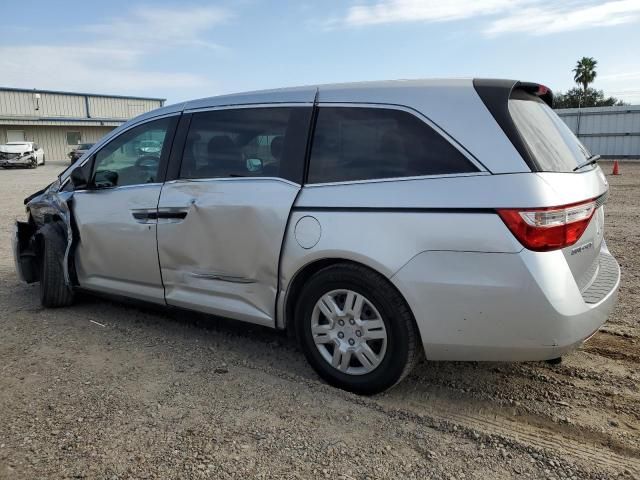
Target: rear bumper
503, 306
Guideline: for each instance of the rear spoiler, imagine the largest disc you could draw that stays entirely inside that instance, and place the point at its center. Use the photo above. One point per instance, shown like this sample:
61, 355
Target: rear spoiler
495, 95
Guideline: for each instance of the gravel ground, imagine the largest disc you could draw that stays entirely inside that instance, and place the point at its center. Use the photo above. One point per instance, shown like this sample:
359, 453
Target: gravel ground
108, 390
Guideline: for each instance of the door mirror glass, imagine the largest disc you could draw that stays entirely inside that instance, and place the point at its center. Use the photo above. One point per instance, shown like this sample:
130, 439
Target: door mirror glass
79, 179
254, 164
106, 179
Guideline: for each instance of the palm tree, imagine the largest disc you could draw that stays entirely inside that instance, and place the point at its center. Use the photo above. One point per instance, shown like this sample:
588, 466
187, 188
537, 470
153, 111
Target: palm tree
585, 72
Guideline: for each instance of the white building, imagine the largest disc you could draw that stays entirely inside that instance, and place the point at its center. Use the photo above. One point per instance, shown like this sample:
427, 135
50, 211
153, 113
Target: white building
58, 121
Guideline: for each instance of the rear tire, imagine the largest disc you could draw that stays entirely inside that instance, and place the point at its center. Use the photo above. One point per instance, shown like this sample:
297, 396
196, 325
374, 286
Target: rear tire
394, 355
53, 290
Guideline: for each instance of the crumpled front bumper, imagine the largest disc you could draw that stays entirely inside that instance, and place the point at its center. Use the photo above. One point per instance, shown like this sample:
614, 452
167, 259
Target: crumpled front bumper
16, 162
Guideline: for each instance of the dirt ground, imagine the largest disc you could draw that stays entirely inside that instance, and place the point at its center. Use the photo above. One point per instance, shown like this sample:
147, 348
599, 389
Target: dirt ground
107, 390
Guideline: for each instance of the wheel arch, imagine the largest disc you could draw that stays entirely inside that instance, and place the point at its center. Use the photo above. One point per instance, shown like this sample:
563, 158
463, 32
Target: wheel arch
54, 227
305, 272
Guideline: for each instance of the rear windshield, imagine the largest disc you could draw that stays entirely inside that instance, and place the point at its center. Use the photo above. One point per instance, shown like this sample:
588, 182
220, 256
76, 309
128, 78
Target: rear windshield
552, 144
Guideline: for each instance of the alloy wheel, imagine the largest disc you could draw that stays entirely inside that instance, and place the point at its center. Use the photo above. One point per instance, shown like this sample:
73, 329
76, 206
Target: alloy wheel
349, 332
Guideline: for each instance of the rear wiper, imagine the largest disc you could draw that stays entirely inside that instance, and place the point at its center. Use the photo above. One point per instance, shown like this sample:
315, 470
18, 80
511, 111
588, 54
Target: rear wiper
589, 161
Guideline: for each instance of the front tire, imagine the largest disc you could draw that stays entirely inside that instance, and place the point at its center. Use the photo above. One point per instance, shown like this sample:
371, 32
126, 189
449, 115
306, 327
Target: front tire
356, 330
54, 292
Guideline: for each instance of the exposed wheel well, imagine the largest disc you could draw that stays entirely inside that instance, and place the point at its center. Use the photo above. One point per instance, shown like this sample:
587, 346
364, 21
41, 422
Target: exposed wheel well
305, 273
53, 227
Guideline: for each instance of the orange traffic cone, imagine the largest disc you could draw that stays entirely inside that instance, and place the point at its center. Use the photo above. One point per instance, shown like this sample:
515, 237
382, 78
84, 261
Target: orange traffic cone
616, 169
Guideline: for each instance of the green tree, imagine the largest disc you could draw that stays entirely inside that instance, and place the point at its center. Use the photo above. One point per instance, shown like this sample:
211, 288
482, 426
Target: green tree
585, 72
577, 98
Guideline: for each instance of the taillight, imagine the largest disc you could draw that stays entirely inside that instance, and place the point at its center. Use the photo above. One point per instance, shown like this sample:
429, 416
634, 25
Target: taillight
550, 228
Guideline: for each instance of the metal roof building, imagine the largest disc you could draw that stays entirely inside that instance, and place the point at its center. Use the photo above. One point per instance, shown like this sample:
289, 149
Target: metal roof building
613, 132
59, 121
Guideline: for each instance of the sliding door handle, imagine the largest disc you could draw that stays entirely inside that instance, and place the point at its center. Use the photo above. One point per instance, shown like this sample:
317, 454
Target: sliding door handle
173, 214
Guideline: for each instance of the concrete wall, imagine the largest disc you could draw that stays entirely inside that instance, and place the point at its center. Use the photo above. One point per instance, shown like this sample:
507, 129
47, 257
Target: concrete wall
54, 139
613, 132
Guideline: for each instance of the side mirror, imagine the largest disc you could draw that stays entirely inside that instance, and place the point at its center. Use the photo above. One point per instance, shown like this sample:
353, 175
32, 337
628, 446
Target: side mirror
79, 179
105, 179
254, 164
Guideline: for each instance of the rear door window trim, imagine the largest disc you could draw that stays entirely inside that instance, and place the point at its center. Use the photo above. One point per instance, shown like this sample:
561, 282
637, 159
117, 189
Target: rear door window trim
175, 162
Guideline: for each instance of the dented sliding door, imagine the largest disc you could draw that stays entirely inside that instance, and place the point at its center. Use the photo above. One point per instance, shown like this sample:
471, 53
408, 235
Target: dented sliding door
219, 244
222, 219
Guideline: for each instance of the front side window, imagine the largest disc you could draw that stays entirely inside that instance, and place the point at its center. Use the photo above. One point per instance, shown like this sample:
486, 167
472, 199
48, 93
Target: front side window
134, 157
364, 143
246, 142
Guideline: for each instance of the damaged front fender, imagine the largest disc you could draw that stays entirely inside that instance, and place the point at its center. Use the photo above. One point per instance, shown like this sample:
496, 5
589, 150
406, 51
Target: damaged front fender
49, 213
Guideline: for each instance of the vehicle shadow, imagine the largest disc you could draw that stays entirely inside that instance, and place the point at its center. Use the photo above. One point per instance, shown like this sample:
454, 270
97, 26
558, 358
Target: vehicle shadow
280, 349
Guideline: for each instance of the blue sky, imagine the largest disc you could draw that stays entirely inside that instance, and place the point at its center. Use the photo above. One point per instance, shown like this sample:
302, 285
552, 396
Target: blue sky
183, 50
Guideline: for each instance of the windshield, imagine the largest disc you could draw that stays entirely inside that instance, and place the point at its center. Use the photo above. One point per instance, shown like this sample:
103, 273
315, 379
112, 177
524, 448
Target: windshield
552, 144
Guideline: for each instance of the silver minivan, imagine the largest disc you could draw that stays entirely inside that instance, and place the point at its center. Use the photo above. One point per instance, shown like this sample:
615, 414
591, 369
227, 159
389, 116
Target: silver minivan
378, 222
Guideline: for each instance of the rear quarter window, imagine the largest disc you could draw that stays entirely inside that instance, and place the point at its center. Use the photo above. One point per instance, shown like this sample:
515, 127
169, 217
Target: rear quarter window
363, 143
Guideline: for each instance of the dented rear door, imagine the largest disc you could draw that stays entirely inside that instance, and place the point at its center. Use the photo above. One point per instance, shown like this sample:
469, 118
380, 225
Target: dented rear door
221, 223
